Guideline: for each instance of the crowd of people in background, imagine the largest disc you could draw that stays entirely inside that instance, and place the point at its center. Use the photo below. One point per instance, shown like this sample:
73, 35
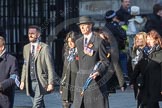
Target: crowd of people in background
126, 51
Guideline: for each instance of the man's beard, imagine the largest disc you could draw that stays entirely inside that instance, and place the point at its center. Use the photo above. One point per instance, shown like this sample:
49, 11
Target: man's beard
33, 40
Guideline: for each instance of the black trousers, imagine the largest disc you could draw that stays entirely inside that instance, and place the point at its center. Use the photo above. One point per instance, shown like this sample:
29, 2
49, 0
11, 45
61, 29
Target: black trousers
153, 105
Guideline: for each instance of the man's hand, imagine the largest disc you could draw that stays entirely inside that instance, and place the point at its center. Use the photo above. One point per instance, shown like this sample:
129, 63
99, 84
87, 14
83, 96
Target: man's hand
94, 75
22, 85
50, 88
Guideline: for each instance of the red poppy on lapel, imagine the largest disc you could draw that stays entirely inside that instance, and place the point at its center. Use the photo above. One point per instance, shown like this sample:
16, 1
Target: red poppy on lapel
77, 58
39, 48
88, 51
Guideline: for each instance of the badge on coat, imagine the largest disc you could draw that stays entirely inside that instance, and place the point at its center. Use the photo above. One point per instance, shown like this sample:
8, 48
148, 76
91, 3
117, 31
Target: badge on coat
88, 51
90, 45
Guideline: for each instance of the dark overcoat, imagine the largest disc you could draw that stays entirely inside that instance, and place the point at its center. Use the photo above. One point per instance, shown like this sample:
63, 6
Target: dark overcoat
123, 15
70, 69
139, 70
154, 22
153, 81
8, 67
115, 58
137, 62
95, 96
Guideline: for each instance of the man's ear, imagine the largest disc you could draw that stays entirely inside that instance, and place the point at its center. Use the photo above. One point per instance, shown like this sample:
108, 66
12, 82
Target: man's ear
38, 34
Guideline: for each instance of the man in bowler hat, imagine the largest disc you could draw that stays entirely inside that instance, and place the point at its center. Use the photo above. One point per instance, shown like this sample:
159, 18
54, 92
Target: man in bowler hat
91, 49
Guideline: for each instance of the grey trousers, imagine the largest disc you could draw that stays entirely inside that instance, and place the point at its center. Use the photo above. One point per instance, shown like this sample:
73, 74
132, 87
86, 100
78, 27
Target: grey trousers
37, 98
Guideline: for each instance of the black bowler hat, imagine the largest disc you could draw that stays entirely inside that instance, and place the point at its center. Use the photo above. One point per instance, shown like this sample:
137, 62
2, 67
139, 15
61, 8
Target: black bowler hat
110, 14
85, 20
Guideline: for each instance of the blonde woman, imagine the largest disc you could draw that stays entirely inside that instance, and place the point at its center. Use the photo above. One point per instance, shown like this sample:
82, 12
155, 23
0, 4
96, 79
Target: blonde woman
138, 63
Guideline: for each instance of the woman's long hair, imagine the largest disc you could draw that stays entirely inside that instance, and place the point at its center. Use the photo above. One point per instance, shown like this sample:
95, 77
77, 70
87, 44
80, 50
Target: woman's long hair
156, 36
73, 35
144, 35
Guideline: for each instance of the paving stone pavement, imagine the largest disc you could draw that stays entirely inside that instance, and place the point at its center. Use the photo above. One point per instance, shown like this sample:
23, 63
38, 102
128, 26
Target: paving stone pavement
53, 100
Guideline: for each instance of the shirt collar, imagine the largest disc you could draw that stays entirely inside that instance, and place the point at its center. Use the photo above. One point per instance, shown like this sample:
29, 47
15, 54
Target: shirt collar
2, 52
88, 36
35, 43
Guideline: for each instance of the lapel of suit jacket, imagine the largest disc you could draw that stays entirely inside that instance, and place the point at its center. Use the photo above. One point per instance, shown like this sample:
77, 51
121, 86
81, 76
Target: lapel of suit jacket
27, 51
39, 47
81, 46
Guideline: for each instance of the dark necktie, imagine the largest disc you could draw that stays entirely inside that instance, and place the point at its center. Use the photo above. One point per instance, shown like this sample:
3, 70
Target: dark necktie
33, 50
85, 41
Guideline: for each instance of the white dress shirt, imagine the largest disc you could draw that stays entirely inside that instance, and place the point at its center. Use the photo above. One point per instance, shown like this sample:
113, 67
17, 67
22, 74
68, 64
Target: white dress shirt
88, 37
36, 45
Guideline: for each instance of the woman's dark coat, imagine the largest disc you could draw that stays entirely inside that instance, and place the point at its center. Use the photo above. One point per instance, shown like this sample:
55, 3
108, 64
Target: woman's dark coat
69, 74
150, 68
139, 68
153, 81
